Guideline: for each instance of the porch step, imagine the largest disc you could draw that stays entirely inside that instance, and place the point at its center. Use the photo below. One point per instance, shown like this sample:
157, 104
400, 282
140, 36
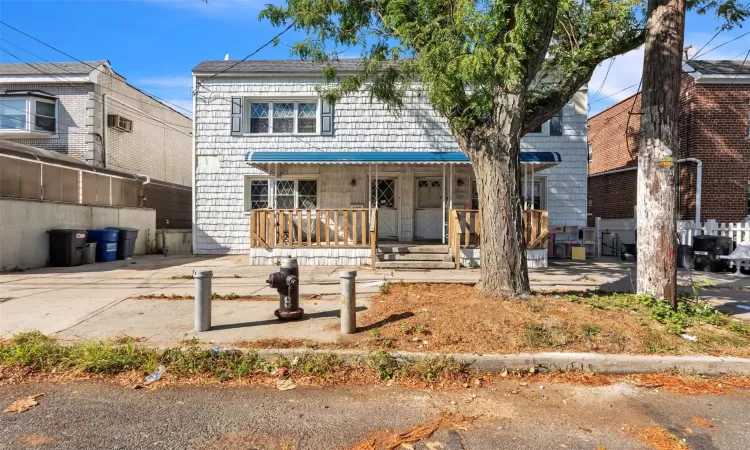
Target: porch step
445, 257
414, 265
403, 249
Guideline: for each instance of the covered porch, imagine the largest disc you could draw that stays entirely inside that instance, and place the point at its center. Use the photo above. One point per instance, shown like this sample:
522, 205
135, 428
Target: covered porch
337, 208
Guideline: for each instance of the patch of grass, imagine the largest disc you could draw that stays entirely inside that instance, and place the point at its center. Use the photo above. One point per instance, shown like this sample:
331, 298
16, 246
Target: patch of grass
739, 328
433, 369
385, 366
538, 335
181, 277
229, 296
591, 330
375, 333
384, 288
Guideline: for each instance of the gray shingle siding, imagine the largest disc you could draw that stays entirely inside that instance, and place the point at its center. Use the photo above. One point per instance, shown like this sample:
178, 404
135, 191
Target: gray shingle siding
359, 125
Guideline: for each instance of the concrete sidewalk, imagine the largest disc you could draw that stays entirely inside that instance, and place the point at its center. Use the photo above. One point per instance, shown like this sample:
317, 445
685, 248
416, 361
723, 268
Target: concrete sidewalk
93, 301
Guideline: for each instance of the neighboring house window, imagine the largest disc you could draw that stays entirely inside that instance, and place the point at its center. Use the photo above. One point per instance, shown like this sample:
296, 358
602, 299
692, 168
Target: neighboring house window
540, 194
28, 114
536, 130
289, 194
282, 117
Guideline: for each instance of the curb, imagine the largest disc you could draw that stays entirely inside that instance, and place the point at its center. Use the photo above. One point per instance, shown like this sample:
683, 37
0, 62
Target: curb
588, 362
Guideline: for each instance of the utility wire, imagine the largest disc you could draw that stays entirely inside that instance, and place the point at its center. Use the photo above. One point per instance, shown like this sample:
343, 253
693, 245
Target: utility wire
719, 46
611, 61
739, 69
706, 44
89, 65
84, 92
612, 95
50, 74
200, 83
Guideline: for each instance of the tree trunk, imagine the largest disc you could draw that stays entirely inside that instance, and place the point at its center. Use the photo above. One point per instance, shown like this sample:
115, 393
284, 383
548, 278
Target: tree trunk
658, 147
494, 151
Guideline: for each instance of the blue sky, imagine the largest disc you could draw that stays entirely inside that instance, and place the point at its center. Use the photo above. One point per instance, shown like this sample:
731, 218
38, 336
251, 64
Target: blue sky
155, 43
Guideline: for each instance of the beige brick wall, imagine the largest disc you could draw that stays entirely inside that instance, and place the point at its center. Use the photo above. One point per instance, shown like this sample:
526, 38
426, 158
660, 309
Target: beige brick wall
160, 142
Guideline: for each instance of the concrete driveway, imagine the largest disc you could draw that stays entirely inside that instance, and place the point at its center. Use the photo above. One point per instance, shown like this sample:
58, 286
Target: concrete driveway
94, 301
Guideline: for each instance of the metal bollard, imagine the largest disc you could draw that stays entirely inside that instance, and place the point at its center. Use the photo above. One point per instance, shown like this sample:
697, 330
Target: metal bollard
202, 299
348, 302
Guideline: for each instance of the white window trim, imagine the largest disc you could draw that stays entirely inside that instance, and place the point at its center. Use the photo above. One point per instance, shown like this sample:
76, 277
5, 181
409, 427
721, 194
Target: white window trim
30, 112
272, 189
246, 101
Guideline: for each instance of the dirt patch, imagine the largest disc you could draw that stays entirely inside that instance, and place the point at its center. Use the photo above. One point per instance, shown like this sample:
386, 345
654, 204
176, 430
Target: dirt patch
244, 441
386, 439
37, 440
701, 422
658, 438
456, 318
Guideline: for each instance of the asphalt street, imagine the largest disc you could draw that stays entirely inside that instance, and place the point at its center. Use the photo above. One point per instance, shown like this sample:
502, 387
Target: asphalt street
506, 415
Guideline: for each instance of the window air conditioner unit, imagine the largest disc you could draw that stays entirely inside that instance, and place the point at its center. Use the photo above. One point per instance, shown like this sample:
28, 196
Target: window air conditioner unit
119, 122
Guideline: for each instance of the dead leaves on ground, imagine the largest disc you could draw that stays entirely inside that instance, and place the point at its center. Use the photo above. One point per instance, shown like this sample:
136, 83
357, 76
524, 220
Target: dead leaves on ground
24, 404
404, 439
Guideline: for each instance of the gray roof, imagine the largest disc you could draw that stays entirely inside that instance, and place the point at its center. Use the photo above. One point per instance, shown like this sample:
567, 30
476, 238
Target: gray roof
58, 68
274, 66
721, 67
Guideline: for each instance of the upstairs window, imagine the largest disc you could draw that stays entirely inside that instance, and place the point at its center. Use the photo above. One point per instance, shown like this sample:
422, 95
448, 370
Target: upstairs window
28, 114
282, 117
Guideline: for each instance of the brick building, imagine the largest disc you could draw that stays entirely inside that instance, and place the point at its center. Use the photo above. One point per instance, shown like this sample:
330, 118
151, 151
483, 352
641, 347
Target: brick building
714, 128
88, 111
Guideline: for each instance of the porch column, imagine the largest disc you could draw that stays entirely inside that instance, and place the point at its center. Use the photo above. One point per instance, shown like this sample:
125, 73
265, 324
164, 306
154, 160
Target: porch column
442, 235
450, 189
369, 186
532, 188
525, 186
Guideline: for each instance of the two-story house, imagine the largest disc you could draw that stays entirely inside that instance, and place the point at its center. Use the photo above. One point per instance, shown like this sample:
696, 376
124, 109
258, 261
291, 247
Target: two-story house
88, 111
714, 153
321, 181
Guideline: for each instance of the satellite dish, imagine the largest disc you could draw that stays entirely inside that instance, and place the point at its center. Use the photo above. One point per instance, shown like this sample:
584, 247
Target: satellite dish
226, 58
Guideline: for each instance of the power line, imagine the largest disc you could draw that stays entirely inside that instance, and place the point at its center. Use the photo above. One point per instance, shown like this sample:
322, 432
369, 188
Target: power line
89, 65
706, 44
84, 92
611, 61
719, 46
739, 69
200, 83
612, 95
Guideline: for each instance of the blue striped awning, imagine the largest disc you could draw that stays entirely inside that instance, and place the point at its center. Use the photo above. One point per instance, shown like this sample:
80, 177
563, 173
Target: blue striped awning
384, 157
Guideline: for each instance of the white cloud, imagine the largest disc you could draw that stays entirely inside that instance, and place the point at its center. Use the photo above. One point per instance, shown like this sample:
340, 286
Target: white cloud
165, 82
627, 69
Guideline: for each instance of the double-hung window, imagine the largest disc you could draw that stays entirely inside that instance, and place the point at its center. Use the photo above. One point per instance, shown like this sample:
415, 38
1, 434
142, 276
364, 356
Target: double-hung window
288, 194
283, 117
28, 114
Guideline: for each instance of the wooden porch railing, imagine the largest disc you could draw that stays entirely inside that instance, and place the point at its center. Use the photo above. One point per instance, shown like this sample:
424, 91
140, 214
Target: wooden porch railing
464, 230
302, 228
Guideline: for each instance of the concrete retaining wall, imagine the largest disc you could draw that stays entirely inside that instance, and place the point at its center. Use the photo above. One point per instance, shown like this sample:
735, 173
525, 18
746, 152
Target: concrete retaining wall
179, 242
24, 242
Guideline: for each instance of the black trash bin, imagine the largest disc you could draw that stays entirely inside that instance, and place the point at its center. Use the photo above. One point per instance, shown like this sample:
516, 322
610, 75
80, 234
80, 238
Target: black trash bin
685, 257
706, 252
66, 247
125, 241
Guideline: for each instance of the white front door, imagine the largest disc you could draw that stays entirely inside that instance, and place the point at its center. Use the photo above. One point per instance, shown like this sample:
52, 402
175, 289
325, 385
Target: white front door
428, 214
383, 195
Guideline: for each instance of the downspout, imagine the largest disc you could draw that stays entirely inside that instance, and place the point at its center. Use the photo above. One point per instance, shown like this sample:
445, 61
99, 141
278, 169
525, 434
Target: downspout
143, 194
104, 130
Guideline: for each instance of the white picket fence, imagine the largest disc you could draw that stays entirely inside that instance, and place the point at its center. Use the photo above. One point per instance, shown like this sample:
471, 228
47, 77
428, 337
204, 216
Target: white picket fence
738, 232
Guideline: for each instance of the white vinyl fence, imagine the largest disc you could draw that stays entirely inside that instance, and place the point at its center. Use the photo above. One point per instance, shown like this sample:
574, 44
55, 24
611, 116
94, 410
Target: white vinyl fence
738, 232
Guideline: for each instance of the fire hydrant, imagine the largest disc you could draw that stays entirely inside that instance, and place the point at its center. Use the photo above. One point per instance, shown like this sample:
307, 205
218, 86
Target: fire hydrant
286, 282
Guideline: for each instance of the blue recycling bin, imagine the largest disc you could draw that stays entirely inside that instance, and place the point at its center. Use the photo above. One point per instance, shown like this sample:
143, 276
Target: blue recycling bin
106, 243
